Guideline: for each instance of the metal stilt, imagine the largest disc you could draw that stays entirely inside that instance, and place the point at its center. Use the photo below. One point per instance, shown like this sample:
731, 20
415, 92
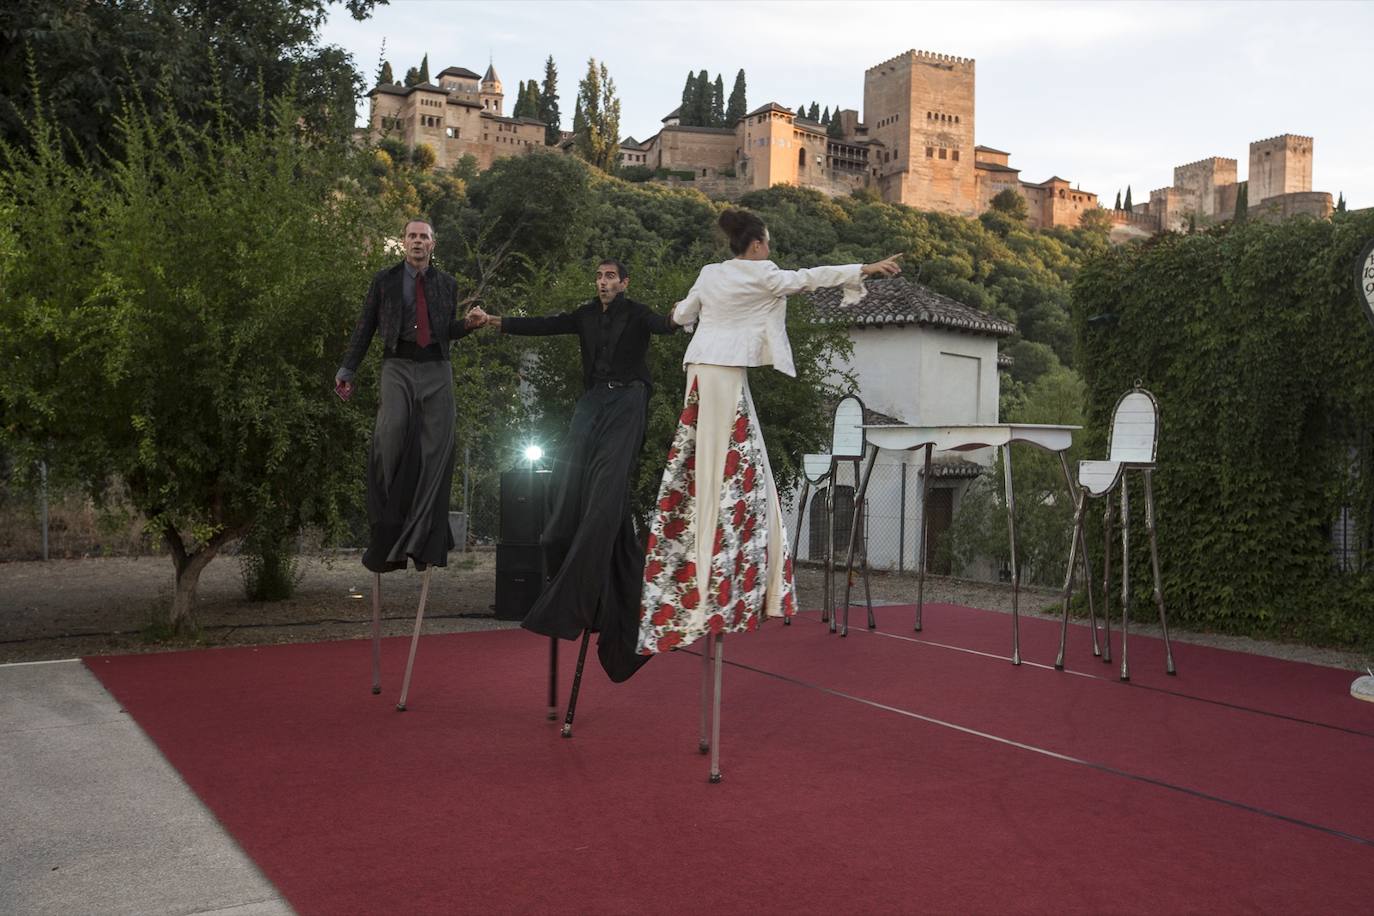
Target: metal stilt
1084, 560
715, 712
828, 608
553, 678
704, 744
576, 685
1015, 573
1125, 579
1154, 563
415, 639
921, 556
376, 633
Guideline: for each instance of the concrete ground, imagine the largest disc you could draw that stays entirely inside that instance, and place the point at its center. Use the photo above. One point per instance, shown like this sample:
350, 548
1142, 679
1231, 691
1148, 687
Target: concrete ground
93, 820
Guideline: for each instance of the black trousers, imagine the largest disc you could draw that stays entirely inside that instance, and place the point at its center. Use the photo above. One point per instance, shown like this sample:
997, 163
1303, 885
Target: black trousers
410, 470
593, 556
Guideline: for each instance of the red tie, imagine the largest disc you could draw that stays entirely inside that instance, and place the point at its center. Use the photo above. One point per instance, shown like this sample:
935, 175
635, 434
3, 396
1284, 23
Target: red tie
421, 311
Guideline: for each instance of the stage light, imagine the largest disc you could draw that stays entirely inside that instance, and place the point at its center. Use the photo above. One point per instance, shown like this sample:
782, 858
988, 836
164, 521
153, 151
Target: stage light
533, 453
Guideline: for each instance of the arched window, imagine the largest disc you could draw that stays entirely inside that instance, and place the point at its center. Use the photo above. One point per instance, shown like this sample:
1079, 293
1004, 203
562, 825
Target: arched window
801, 158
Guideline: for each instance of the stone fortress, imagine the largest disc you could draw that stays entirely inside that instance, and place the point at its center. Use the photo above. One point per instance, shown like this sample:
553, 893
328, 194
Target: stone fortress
915, 145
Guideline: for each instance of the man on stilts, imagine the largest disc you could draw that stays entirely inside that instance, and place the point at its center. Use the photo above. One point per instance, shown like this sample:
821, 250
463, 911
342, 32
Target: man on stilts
414, 306
594, 558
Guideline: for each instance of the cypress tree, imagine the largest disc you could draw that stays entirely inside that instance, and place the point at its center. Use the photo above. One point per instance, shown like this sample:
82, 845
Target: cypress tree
548, 102
412, 76
1117, 205
1243, 202
689, 101
737, 107
701, 116
825, 116
814, 112
1127, 203
1340, 203
424, 69
384, 76
718, 102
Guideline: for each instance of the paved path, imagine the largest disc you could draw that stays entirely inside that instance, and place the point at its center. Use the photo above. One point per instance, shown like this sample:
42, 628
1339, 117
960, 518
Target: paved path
93, 820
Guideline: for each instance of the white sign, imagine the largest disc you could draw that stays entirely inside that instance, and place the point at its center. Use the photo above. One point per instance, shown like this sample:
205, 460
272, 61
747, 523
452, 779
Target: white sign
1364, 279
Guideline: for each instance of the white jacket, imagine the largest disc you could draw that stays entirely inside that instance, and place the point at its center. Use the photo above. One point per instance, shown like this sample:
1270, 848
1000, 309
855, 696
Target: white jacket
742, 309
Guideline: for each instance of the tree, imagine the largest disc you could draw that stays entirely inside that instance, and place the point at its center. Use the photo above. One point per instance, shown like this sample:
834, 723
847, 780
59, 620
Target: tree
1340, 203
718, 102
737, 107
825, 116
412, 77
1095, 219
1127, 203
686, 111
184, 343
599, 140
1242, 202
384, 75
424, 69
174, 57
548, 103
1011, 203
701, 95
836, 128
1117, 205
814, 112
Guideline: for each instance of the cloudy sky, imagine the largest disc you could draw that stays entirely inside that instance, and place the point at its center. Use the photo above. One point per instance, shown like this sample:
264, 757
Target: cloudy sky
1104, 94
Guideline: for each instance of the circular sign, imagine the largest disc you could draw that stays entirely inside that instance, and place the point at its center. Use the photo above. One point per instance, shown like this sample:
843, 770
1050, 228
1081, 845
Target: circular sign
1364, 279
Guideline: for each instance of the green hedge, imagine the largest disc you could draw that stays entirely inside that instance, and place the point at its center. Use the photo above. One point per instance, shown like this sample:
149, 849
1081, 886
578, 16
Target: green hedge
1263, 362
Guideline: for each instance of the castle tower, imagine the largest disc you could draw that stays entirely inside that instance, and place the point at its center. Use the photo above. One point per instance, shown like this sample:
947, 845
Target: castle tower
1279, 165
920, 106
491, 95
1199, 185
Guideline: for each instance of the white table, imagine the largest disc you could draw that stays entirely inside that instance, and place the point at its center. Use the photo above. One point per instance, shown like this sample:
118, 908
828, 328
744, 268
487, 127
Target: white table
964, 438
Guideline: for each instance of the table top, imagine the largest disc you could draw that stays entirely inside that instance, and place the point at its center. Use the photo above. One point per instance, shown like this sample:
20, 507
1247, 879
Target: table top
970, 436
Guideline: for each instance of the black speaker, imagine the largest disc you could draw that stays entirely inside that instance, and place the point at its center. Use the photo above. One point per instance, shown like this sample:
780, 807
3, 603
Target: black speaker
523, 496
519, 579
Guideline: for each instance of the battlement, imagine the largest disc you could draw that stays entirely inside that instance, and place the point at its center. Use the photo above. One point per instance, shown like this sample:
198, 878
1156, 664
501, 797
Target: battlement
929, 56
1210, 160
1284, 138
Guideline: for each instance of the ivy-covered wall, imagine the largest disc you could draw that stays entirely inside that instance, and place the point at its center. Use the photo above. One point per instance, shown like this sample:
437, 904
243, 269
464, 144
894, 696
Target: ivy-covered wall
1262, 359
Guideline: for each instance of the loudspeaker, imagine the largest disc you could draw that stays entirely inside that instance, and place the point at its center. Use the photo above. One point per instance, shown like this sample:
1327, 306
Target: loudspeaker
523, 496
519, 579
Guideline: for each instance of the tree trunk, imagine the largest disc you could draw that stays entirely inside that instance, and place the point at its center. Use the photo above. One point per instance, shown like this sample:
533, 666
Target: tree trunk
189, 566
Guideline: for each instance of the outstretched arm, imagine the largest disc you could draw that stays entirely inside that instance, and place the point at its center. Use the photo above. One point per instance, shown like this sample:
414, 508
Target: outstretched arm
363, 330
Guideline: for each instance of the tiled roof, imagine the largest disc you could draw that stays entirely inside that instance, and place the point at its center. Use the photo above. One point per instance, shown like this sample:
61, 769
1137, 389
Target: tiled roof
901, 301
994, 167
988, 149
698, 130
771, 106
458, 71
675, 113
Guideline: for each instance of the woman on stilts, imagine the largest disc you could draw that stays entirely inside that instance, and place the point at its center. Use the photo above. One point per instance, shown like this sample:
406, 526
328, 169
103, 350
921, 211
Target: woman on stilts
717, 558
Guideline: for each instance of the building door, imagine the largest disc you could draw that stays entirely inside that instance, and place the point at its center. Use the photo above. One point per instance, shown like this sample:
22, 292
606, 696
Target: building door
941, 511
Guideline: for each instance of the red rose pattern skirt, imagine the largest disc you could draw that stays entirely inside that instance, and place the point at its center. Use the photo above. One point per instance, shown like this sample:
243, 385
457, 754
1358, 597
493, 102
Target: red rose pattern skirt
717, 558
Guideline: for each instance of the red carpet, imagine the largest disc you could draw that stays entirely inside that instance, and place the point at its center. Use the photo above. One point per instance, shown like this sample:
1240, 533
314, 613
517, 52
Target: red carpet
1242, 785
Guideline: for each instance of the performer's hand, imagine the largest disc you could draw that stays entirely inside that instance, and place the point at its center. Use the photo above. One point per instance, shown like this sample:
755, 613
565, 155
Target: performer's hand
476, 318
343, 389
887, 267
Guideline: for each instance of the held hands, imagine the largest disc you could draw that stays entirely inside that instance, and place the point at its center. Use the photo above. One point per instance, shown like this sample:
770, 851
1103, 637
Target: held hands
888, 267
477, 318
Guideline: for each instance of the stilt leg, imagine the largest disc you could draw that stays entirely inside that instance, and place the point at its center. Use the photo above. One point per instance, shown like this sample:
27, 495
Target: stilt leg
921, 556
1154, 563
828, 612
868, 593
704, 744
1125, 576
1015, 573
859, 496
553, 678
801, 516
415, 639
715, 712
1068, 577
577, 684
376, 633
1107, 580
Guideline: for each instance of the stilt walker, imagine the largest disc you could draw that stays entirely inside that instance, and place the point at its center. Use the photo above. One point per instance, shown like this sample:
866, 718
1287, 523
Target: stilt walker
718, 560
414, 307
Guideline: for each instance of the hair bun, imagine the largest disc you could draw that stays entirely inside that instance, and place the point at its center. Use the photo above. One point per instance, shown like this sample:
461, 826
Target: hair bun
733, 220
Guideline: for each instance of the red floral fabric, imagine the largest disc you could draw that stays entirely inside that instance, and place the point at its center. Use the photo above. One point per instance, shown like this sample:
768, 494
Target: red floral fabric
673, 612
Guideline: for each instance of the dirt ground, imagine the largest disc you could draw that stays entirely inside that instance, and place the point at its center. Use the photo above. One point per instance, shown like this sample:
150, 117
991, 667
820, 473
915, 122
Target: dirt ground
97, 606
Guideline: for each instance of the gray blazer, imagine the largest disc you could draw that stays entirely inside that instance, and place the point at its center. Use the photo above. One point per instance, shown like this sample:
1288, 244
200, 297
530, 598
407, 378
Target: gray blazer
384, 304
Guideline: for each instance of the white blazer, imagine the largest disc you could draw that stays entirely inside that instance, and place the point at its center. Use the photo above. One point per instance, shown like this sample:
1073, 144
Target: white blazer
742, 309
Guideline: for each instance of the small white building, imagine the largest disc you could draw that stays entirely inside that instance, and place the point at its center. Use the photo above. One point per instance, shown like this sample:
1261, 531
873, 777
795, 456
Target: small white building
919, 358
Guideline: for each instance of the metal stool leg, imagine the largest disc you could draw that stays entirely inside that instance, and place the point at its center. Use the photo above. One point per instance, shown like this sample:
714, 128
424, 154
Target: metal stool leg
828, 612
553, 678
415, 639
868, 593
704, 743
1154, 563
577, 684
921, 561
376, 633
1074, 493
1015, 573
1125, 577
859, 497
801, 516
715, 712
1107, 580
1068, 576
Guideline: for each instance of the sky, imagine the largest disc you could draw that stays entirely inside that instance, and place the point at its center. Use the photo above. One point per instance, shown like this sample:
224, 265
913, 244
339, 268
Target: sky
1104, 94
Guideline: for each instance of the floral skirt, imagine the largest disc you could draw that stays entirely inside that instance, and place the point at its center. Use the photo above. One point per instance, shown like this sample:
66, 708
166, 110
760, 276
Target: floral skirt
717, 557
